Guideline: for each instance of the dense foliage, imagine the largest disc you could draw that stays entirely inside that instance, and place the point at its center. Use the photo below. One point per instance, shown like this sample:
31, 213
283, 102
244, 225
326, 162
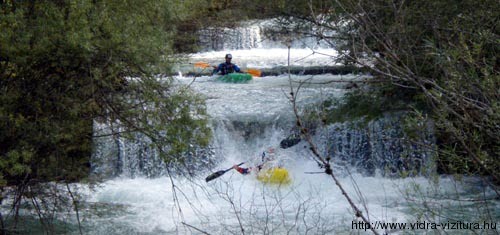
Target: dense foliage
66, 64
435, 58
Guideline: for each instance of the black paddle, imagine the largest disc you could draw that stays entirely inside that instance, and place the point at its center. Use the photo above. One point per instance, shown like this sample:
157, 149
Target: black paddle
290, 141
219, 173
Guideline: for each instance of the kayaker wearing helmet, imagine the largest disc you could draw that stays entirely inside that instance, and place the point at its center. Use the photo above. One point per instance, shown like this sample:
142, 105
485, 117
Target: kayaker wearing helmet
226, 67
266, 157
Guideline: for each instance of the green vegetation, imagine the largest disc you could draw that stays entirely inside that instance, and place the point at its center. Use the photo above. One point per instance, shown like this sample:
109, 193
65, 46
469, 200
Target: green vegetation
65, 64
366, 104
436, 58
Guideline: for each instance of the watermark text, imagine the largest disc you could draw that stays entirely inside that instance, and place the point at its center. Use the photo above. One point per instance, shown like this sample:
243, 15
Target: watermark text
424, 225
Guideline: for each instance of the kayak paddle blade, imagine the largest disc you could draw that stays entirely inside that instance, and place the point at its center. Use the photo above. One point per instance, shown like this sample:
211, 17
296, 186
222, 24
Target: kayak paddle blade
202, 65
219, 173
215, 175
254, 72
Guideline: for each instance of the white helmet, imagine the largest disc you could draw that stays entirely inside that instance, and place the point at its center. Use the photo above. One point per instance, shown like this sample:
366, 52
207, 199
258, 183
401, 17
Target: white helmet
268, 155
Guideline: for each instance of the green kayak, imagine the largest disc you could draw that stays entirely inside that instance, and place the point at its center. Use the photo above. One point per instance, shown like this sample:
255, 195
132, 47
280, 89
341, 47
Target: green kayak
235, 78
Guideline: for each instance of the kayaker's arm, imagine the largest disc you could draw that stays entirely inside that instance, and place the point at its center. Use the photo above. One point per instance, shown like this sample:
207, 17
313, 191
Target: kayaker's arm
242, 170
236, 68
217, 69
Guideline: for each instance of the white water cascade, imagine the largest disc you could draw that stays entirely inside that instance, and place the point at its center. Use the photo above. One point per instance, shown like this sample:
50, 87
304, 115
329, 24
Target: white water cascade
247, 118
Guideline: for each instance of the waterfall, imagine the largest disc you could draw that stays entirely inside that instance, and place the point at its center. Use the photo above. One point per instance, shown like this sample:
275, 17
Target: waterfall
256, 34
247, 118
258, 114
380, 147
135, 156
368, 156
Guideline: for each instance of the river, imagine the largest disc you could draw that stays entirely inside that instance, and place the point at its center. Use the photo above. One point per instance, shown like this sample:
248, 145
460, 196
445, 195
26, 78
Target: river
246, 119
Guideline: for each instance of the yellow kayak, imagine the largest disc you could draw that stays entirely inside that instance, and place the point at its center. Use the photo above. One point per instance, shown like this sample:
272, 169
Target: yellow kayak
276, 175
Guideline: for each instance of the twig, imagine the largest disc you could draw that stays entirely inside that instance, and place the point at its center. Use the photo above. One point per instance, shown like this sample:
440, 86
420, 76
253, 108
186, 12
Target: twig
75, 204
195, 228
324, 162
36, 205
2, 228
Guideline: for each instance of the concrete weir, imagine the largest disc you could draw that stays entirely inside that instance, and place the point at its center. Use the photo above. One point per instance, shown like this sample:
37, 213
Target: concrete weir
298, 70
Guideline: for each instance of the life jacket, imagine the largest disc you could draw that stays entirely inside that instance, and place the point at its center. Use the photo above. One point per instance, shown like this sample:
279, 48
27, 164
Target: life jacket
226, 68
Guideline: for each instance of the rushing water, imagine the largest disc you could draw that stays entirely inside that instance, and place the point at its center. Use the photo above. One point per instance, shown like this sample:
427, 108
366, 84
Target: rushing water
247, 118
